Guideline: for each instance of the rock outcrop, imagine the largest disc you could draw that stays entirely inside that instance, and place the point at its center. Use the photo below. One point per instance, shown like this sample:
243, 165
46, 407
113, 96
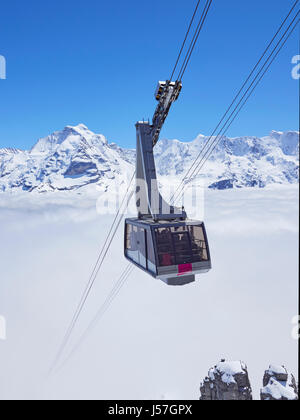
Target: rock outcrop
230, 381
278, 385
227, 381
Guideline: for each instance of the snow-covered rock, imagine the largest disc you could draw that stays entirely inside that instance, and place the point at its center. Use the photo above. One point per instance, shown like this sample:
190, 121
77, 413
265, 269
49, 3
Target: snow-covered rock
227, 381
278, 385
76, 157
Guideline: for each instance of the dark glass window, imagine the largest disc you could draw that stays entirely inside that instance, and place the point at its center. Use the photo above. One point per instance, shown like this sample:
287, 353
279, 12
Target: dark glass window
199, 249
180, 245
165, 249
150, 253
132, 242
150, 249
128, 232
141, 245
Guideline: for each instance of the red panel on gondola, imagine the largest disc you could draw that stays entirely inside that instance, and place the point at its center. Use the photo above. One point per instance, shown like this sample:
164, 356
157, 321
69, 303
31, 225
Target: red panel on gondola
184, 268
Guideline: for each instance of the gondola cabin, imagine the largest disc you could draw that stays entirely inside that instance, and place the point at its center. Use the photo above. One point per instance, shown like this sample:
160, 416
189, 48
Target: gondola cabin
172, 251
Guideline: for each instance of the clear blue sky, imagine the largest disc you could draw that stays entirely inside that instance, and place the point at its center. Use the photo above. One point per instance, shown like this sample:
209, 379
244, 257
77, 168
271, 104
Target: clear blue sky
97, 62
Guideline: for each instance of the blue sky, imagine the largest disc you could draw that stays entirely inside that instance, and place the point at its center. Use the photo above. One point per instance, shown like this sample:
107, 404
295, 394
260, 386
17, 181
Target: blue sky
97, 63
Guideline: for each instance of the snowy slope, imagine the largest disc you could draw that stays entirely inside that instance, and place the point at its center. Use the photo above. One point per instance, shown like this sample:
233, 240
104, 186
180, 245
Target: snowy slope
76, 157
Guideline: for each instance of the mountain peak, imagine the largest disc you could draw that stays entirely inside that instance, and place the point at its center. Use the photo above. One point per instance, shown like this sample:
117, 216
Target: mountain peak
85, 133
10, 150
78, 127
68, 138
81, 126
276, 134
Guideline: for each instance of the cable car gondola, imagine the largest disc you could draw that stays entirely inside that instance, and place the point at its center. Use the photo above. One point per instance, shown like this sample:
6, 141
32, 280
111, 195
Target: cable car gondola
171, 251
161, 240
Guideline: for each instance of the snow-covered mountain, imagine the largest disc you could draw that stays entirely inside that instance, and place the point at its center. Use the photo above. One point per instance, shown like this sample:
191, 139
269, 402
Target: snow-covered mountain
77, 157
236, 162
65, 160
